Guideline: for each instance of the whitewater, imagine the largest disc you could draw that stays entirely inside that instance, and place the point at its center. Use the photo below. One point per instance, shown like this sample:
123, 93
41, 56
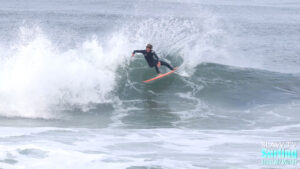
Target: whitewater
71, 95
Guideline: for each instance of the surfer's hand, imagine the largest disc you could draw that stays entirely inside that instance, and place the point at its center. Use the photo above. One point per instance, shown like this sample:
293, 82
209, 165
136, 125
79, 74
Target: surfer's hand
158, 64
132, 55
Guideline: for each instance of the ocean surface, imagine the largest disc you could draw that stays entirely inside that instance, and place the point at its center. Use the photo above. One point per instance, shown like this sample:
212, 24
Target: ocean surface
72, 97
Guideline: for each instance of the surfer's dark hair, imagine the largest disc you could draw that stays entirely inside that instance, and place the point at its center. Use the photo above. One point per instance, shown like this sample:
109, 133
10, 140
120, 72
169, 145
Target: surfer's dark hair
149, 46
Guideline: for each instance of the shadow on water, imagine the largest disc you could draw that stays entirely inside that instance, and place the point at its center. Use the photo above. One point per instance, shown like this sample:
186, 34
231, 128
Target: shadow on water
152, 112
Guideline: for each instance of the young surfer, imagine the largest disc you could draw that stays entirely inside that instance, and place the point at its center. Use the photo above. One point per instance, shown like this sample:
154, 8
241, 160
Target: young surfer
152, 59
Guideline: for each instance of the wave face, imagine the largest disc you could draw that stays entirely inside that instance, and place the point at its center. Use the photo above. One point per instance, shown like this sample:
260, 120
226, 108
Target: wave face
67, 78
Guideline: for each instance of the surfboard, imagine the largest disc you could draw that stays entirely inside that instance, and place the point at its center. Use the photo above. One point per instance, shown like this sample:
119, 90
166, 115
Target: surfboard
160, 76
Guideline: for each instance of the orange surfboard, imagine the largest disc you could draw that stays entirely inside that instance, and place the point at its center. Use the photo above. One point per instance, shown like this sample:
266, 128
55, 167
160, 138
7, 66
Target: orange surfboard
160, 76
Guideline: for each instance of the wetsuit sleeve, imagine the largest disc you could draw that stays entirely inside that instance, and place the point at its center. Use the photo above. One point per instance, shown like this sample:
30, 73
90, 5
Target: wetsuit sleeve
138, 51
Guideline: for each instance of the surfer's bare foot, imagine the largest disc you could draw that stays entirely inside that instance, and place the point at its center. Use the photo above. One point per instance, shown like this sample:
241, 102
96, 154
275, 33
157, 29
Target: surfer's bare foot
158, 74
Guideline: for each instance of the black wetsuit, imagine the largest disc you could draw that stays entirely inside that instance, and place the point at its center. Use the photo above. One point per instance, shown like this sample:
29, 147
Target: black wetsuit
152, 59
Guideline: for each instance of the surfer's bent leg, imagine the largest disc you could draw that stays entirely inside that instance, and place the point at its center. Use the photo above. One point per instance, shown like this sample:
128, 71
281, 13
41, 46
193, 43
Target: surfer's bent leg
157, 70
166, 64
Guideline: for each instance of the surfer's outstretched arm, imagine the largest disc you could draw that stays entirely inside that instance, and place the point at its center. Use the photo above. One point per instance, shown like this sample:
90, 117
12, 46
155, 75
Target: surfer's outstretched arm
138, 51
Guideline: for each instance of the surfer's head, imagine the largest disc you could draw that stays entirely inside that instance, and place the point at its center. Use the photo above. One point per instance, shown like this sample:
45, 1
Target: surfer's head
149, 47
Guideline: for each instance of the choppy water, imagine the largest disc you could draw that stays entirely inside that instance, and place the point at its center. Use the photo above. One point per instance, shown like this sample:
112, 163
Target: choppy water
71, 96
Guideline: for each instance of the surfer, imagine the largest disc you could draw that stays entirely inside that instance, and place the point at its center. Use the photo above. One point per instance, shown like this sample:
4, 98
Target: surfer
152, 59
